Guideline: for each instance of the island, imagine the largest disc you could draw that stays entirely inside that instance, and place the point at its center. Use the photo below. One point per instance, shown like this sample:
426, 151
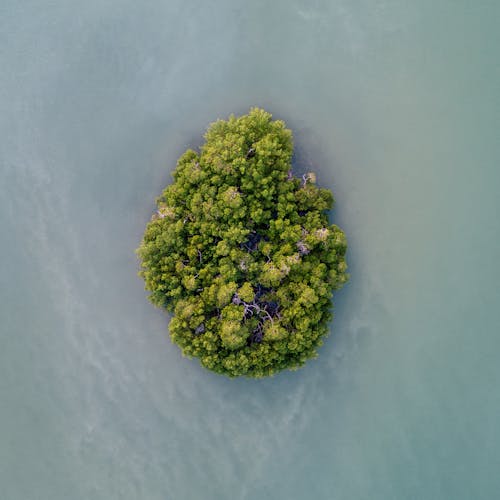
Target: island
241, 252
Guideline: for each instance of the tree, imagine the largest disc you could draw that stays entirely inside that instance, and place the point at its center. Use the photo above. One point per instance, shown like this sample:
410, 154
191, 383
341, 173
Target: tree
241, 251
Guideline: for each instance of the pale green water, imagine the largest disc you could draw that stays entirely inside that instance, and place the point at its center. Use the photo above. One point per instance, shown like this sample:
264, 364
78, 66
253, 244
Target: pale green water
396, 104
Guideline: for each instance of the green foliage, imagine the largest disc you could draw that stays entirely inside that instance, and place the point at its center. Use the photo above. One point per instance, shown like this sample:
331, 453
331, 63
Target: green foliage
241, 251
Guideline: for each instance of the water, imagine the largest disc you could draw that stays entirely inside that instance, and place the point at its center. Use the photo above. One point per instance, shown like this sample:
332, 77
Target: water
396, 105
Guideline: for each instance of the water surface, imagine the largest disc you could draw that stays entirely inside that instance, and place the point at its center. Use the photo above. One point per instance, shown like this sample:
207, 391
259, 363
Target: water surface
395, 104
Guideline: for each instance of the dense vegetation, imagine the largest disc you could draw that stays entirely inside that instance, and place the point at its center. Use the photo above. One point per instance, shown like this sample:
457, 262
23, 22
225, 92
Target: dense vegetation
241, 251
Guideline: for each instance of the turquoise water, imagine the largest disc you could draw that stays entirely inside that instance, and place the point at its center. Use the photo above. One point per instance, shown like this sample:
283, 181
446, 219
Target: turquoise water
395, 104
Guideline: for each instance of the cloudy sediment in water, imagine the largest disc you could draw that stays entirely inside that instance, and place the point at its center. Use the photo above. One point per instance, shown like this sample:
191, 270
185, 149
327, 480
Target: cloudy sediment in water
395, 106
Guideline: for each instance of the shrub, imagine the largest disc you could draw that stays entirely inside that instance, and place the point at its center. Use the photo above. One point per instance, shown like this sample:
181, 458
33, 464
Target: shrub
242, 253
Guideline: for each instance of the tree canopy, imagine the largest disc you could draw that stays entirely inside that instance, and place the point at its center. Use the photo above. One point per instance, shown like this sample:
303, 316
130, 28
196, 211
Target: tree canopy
241, 251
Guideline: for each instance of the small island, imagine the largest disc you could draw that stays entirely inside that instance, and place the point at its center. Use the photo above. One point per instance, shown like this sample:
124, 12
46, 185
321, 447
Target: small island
241, 252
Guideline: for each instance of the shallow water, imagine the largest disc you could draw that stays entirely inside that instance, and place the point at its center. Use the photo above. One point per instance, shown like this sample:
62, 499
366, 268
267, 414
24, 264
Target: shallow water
395, 104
